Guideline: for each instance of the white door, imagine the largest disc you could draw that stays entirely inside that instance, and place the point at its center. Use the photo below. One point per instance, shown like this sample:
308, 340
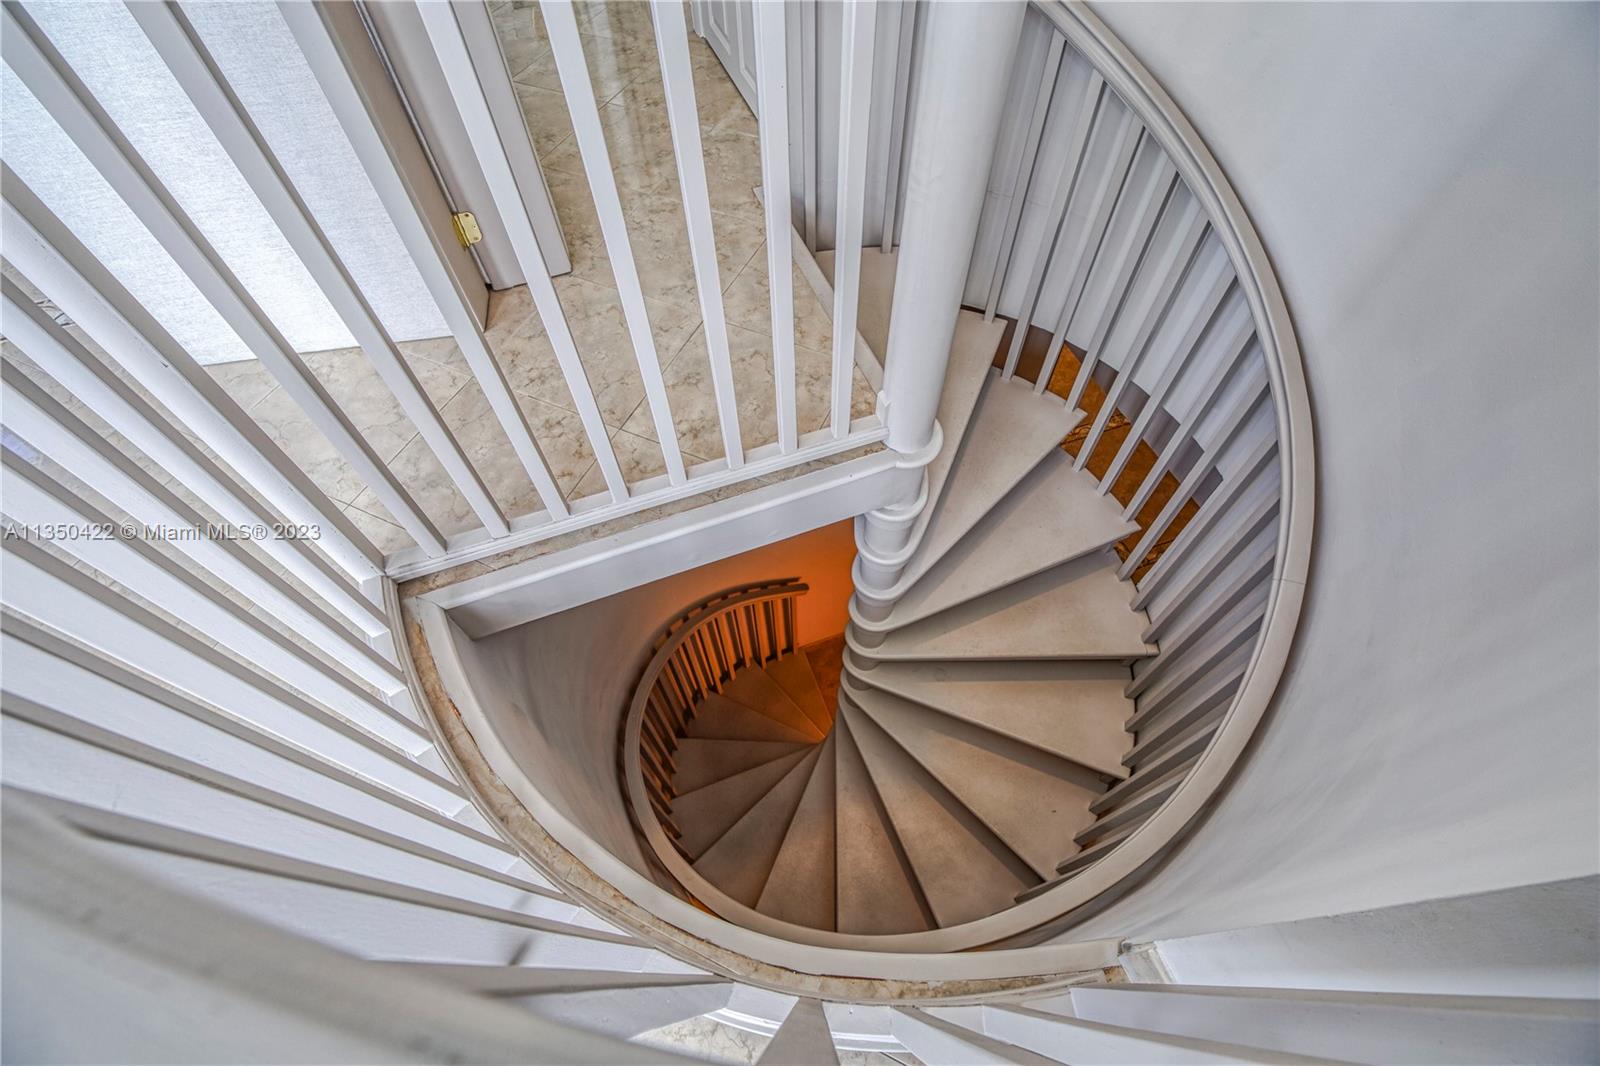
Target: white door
729, 27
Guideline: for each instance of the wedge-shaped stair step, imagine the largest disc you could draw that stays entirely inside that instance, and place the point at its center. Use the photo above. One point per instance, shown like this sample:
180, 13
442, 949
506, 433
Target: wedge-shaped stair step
756, 689
1054, 515
1079, 862
1129, 814
1076, 611
1034, 802
702, 816
971, 354
1076, 1040
719, 718
705, 762
1089, 856
876, 888
965, 872
1011, 431
1162, 771
1074, 710
603, 1001
794, 675
738, 863
800, 888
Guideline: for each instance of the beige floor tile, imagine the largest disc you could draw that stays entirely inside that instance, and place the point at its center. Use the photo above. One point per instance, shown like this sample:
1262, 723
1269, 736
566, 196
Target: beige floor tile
693, 397
639, 458
382, 532
595, 317
613, 62
748, 304
638, 141
282, 420
247, 382
369, 404
558, 432
546, 113
658, 236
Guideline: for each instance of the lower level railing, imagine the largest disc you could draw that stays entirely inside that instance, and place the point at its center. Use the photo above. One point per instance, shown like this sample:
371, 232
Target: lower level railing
697, 654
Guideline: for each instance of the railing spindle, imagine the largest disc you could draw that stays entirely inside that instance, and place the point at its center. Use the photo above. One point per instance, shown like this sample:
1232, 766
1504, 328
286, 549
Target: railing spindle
855, 112
773, 115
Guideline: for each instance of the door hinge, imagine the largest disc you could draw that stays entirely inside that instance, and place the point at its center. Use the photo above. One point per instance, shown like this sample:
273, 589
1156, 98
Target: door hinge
466, 227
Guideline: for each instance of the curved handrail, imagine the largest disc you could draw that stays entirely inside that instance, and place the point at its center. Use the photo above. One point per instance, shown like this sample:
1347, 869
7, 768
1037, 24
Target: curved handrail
701, 650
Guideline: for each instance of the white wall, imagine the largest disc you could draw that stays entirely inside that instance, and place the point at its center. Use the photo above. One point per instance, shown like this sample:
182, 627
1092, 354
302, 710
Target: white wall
254, 50
1425, 179
1536, 940
561, 722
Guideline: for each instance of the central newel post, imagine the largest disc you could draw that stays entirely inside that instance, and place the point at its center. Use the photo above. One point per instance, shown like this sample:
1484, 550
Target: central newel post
960, 94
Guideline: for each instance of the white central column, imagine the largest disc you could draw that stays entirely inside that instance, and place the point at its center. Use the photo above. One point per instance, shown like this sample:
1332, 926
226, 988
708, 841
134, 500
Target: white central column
960, 95
961, 90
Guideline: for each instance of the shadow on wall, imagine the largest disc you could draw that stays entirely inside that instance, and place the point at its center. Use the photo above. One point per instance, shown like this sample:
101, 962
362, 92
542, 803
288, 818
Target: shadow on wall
555, 690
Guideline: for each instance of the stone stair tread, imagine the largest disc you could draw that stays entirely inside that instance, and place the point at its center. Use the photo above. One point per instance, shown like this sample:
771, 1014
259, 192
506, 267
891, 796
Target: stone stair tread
794, 675
1076, 864
739, 862
971, 354
963, 877
719, 718
1074, 710
800, 885
704, 762
702, 816
1010, 432
757, 690
874, 886
1078, 610
1030, 800
1053, 515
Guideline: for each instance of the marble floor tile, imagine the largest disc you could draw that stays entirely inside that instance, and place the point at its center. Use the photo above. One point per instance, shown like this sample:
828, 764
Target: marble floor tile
545, 111
557, 431
247, 382
638, 141
382, 532
613, 63
639, 457
605, 347
368, 403
693, 397
283, 421
748, 304
658, 236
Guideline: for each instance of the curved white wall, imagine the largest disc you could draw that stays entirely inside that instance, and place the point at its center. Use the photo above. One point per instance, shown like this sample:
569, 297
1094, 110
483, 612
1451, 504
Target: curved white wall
1425, 177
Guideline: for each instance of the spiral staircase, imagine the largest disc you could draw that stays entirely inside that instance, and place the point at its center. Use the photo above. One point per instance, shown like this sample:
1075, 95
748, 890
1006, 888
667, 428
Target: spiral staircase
980, 748
284, 806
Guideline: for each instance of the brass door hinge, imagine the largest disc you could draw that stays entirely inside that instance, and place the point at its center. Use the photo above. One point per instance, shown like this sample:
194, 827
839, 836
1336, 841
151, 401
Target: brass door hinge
466, 227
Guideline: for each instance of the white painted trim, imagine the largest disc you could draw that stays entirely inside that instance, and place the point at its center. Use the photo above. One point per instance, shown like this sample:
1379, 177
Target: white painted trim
313, 27
191, 65
561, 25
855, 112
60, 355
451, 48
548, 585
683, 118
34, 60
592, 510
772, 95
